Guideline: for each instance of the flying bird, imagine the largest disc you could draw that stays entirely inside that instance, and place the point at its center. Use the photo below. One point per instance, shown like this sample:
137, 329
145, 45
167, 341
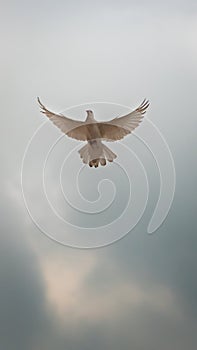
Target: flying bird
94, 132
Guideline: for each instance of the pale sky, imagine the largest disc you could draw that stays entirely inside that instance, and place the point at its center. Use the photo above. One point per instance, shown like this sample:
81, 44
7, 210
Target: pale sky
140, 292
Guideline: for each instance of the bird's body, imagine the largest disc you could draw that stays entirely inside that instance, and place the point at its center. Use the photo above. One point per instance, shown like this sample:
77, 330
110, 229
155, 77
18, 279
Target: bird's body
94, 132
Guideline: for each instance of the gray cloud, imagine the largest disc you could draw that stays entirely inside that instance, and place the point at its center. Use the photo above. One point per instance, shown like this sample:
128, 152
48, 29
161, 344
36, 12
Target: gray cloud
23, 307
140, 292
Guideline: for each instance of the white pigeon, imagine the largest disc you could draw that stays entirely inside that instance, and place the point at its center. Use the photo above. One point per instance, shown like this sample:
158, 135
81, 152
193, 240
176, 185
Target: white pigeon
94, 132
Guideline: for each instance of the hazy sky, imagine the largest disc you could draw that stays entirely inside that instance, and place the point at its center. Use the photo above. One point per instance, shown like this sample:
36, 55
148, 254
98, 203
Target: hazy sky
140, 292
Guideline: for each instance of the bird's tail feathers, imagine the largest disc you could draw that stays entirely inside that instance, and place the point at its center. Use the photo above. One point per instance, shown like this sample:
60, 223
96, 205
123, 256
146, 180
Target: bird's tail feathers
96, 153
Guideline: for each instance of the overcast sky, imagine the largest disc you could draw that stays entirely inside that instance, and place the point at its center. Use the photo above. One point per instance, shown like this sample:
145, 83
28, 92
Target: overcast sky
140, 292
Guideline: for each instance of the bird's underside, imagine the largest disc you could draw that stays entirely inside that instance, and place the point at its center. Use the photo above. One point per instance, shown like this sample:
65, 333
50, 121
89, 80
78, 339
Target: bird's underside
93, 132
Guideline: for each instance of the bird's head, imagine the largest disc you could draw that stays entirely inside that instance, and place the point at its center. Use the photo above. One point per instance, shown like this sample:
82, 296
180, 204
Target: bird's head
90, 114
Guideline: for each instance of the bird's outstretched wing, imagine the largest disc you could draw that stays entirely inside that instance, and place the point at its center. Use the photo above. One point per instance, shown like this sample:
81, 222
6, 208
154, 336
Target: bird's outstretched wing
112, 130
72, 128
117, 128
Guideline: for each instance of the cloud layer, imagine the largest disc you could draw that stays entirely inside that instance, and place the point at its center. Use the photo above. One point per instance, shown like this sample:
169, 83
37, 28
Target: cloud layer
141, 292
